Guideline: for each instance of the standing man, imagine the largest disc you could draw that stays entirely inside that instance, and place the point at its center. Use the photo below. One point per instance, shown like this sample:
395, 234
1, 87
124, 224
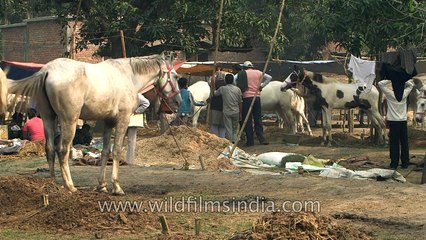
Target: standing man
252, 79
216, 108
136, 120
397, 119
232, 98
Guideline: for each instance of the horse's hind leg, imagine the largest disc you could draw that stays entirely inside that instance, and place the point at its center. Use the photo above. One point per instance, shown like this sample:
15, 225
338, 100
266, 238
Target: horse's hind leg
102, 187
326, 128
304, 119
196, 116
64, 146
377, 121
49, 133
50, 125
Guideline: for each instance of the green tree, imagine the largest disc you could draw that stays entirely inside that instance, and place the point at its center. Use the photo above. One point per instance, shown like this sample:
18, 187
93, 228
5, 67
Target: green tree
158, 25
371, 26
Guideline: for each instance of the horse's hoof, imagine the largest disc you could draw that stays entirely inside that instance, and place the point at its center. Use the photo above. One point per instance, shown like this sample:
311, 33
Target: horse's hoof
119, 192
72, 189
102, 189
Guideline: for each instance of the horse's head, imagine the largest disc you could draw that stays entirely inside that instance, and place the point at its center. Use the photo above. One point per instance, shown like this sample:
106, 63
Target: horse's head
156, 70
296, 77
420, 106
167, 84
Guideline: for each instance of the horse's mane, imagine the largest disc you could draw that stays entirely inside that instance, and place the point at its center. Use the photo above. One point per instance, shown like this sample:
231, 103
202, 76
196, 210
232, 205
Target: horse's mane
317, 77
147, 64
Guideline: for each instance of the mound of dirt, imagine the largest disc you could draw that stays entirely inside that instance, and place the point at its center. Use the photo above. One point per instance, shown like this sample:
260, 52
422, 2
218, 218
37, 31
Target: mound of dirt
22, 207
298, 226
192, 143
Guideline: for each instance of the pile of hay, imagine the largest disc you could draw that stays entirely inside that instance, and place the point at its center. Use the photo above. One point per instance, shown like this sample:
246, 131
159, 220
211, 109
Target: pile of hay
32, 148
192, 143
298, 226
29, 149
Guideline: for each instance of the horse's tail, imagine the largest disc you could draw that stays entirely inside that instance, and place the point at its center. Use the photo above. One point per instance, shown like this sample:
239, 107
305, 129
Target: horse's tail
27, 87
3, 91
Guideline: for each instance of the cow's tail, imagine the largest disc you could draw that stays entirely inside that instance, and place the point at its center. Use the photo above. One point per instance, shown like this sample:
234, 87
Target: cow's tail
26, 88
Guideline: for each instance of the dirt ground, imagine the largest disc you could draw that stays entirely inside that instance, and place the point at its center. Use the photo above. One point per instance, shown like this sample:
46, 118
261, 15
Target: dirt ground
346, 208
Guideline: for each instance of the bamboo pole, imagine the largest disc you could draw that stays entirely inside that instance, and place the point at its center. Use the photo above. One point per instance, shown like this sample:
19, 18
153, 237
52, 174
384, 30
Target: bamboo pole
423, 181
164, 226
258, 86
216, 50
197, 226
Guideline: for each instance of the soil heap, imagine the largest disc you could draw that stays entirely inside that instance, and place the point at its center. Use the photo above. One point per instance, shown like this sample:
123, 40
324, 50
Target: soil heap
192, 143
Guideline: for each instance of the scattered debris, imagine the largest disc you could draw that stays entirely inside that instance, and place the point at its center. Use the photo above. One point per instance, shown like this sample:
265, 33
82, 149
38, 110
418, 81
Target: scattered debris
298, 226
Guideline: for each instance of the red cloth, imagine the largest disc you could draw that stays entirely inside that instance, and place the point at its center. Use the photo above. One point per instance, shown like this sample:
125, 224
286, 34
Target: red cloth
35, 128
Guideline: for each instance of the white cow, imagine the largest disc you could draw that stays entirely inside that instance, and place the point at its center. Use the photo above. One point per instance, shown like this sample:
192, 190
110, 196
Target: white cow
288, 105
201, 92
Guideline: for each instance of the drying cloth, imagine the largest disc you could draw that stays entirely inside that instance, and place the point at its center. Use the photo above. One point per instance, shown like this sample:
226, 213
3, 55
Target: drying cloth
398, 77
406, 59
364, 72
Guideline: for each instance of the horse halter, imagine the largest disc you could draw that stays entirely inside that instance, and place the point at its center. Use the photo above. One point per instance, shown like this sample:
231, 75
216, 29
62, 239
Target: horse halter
168, 82
298, 82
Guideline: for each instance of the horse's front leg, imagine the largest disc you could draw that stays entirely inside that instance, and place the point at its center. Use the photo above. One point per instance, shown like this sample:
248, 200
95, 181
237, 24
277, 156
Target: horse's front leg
328, 126
324, 126
120, 131
106, 141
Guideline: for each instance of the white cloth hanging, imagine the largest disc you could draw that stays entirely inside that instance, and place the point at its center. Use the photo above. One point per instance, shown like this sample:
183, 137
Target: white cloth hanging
364, 72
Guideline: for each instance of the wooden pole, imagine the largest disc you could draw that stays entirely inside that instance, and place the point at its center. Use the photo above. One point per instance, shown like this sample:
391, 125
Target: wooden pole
123, 44
216, 50
258, 86
197, 226
423, 181
164, 226
200, 159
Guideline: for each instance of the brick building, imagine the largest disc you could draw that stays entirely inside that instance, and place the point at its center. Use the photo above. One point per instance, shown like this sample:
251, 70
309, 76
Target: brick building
39, 40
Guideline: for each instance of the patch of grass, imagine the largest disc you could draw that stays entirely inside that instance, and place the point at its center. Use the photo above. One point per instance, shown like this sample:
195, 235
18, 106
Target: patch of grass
391, 235
14, 165
9, 234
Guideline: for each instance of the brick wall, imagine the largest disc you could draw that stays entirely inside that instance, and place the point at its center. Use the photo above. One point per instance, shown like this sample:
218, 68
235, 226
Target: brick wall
39, 40
254, 56
13, 44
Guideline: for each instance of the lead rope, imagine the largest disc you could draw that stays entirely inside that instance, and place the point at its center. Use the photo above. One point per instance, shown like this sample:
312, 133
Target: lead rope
185, 164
